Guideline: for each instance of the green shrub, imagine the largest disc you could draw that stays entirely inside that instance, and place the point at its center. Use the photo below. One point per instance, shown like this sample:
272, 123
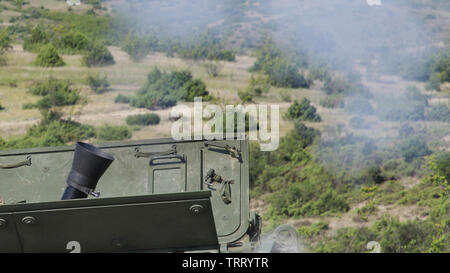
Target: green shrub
245, 96
138, 47
318, 73
285, 96
393, 236
284, 74
358, 105
312, 230
48, 57
279, 68
441, 68
51, 132
442, 161
258, 85
395, 110
109, 132
336, 85
409, 106
164, 89
195, 88
122, 99
55, 92
439, 112
213, 68
405, 130
305, 135
97, 83
38, 37
373, 175
5, 41
143, 119
205, 46
412, 148
3, 60
358, 123
434, 83
303, 110
364, 212
98, 55
1, 107
332, 101
74, 41
47, 86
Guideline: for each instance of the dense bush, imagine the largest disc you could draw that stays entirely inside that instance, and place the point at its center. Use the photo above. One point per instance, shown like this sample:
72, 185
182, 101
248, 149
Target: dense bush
358, 105
393, 236
5, 40
416, 66
143, 119
373, 175
109, 132
5, 44
441, 67
164, 89
205, 46
74, 41
51, 132
298, 186
358, 123
98, 83
50, 85
258, 85
285, 95
442, 161
318, 73
138, 47
48, 57
246, 96
66, 41
280, 69
109, 29
122, 99
336, 85
284, 74
332, 101
55, 92
408, 106
213, 68
349, 84
305, 135
405, 130
412, 148
37, 38
302, 110
439, 112
98, 55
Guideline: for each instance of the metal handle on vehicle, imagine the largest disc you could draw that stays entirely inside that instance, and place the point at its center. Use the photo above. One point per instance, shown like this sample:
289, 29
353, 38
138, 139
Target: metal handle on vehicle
179, 157
138, 153
27, 162
233, 151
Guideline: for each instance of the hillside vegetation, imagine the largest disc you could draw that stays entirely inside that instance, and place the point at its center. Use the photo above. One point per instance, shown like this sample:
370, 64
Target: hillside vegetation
364, 153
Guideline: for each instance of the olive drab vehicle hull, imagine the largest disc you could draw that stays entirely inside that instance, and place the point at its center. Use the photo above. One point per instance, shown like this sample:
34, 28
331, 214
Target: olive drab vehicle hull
156, 195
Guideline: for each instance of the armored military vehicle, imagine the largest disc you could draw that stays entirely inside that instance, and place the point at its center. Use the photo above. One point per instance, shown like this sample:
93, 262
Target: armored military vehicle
138, 196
